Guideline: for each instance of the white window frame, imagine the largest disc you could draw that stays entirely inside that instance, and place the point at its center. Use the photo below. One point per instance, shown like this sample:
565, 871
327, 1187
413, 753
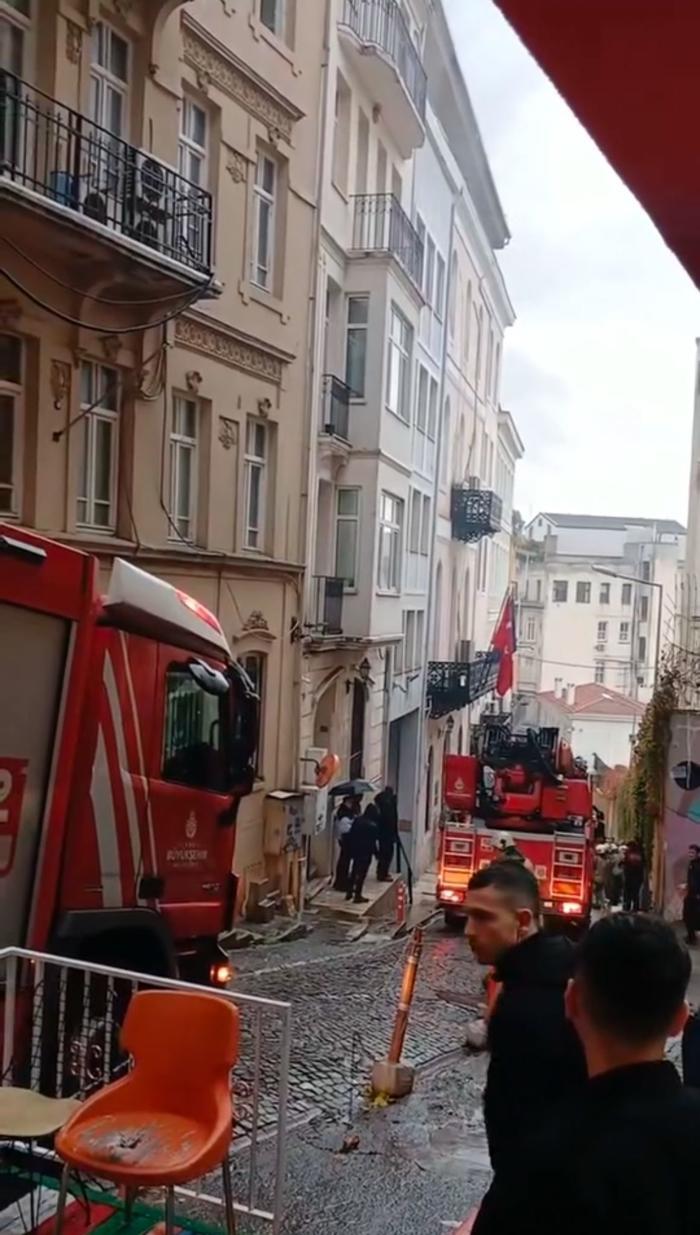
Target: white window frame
279, 26
604, 593
24, 23
426, 526
599, 673
254, 537
559, 583
429, 277
399, 356
583, 597
440, 272
415, 515
15, 392
188, 148
530, 630
391, 529
348, 518
183, 446
261, 197
356, 328
90, 418
108, 81
624, 632
602, 636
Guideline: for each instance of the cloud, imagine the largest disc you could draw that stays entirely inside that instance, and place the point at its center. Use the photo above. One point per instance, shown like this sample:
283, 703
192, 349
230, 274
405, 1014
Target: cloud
598, 370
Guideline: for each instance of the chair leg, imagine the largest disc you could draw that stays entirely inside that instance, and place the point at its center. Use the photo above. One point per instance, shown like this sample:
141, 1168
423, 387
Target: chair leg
170, 1211
62, 1198
228, 1197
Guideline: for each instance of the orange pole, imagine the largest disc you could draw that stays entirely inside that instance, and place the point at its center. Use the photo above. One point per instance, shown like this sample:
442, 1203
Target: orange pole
408, 986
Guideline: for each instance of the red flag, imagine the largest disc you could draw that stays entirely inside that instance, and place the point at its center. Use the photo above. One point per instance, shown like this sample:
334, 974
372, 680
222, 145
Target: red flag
503, 641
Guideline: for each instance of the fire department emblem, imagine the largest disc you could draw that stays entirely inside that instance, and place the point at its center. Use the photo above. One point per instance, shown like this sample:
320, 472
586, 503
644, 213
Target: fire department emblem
191, 826
459, 784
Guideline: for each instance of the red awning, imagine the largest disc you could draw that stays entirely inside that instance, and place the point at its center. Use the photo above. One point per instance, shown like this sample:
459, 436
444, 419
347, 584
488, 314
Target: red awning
630, 69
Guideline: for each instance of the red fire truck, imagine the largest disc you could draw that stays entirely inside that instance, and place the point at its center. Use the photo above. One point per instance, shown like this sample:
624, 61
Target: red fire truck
529, 786
127, 735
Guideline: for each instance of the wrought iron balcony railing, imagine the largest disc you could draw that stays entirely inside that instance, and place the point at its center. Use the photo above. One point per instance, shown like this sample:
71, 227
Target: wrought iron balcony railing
66, 158
327, 605
380, 23
336, 398
475, 513
381, 225
452, 685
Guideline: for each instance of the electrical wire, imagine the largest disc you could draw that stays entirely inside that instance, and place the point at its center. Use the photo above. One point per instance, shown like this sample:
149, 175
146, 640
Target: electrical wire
115, 330
112, 388
87, 295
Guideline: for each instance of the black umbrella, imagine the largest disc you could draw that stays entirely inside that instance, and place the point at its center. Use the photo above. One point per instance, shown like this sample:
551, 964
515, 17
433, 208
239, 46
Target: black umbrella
352, 789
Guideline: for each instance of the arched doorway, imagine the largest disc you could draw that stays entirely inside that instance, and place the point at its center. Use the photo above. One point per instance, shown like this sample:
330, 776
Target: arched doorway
357, 730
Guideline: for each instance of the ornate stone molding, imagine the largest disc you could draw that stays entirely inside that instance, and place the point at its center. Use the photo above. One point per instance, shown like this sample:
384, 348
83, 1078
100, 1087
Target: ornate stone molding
237, 166
193, 381
211, 65
235, 352
60, 382
228, 432
74, 42
255, 627
111, 346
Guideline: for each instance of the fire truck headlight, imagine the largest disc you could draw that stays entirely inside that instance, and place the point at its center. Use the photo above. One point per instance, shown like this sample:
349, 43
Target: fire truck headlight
451, 896
221, 974
570, 908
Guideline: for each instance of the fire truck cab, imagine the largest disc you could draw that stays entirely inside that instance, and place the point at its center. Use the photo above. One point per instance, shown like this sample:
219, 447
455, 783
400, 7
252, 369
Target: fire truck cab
127, 739
530, 786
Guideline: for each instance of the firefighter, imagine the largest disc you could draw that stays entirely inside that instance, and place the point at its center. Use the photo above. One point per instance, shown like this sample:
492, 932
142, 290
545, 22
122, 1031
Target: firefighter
622, 1157
536, 1059
507, 851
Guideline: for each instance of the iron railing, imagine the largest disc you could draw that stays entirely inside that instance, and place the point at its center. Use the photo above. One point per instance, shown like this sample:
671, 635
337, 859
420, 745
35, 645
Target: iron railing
475, 513
68, 159
381, 225
335, 396
328, 605
452, 685
380, 23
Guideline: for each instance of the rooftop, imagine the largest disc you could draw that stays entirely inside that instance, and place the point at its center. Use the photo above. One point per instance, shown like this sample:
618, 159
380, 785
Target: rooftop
591, 699
613, 522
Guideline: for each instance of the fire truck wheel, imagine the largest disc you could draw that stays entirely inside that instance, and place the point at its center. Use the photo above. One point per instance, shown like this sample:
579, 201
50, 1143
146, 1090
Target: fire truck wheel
454, 921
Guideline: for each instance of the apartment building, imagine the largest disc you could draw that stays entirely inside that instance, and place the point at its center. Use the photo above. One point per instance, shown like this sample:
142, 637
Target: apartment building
597, 601
158, 167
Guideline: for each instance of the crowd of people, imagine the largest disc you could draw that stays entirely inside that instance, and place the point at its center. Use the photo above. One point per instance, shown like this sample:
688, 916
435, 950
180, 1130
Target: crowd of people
590, 1129
362, 836
620, 876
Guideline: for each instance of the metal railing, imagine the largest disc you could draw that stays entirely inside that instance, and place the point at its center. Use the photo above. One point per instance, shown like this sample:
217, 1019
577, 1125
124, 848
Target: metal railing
68, 159
475, 513
452, 685
335, 396
60, 1036
382, 24
382, 226
328, 605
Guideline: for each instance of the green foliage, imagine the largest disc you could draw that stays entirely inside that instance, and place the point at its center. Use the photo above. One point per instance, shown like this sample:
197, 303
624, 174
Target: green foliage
640, 800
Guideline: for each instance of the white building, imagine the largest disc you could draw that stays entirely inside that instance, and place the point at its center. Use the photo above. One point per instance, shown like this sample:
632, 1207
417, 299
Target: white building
597, 598
598, 722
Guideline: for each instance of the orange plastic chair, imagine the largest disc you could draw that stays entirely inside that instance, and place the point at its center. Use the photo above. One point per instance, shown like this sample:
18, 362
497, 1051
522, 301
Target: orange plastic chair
169, 1120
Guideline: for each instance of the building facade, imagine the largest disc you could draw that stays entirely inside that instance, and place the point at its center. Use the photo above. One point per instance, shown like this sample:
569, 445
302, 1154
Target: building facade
158, 179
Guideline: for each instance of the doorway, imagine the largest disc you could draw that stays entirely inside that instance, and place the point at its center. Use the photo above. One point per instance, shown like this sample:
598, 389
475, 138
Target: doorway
357, 731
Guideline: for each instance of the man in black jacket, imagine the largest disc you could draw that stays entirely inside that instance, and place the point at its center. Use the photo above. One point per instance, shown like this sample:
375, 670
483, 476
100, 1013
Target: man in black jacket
623, 1158
691, 900
536, 1057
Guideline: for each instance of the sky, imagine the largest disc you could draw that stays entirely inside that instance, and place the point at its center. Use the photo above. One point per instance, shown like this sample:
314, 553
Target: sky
599, 367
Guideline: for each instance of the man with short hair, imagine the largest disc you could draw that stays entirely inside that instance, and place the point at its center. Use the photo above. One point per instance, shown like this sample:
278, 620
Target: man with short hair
623, 1158
536, 1057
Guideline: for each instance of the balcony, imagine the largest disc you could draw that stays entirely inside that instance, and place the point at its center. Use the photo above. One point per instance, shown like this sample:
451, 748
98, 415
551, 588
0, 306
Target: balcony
83, 203
379, 44
381, 226
327, 605
475, 513
335, 409
452, 685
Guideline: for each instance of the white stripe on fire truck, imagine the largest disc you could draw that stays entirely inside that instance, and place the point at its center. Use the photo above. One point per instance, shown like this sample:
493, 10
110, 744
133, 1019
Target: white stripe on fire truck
114, 705
105, 827
139, 748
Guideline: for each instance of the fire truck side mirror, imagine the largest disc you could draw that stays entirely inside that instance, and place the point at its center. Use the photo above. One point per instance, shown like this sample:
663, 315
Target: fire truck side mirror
244, 733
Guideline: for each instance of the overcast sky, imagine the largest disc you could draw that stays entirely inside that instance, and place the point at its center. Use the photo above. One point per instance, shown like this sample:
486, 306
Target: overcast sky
599, 367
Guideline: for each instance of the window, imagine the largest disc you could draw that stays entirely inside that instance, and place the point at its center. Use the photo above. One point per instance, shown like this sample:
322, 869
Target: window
362, 166
414, 532
425, 535
627, 593
192, 164
452, 310
356, 345
341, 133
642, 650
273, 15
98, 428
398, 380
422, 400
646, 571
196, 737
410, 637
624, 632
445, 444
538, 589
439, 305
14, 35
644, 609
183, 467
418, 649
600, 672
254, 666
560, 591
390, 529
11, 406
347, 528
432, 409
602, 636
109, 77
429, 279
583, 593
255, 483
604, 594
530, 630
264, 211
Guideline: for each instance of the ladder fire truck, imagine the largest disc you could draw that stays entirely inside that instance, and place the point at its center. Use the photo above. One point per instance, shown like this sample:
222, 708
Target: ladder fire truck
127, 737
530, 786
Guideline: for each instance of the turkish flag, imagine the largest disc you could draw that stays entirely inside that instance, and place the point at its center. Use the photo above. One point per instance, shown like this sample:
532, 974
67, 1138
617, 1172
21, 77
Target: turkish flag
503, 641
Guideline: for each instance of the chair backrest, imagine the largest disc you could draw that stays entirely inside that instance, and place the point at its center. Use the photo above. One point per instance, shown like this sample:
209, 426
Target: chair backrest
182, 1039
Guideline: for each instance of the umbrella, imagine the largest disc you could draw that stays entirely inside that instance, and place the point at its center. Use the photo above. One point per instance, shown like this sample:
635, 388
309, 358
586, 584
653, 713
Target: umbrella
352, 789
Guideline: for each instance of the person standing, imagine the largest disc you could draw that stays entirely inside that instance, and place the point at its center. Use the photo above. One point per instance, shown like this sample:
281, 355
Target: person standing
622, 1158
347, 811
691, 900
536, 1058
388, 831
363, 841
632, 877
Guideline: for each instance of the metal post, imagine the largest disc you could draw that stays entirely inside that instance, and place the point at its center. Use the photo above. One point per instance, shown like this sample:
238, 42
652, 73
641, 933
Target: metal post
408, 986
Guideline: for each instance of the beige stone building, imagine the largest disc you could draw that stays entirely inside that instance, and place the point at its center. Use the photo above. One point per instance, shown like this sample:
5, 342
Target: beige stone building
158, 165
